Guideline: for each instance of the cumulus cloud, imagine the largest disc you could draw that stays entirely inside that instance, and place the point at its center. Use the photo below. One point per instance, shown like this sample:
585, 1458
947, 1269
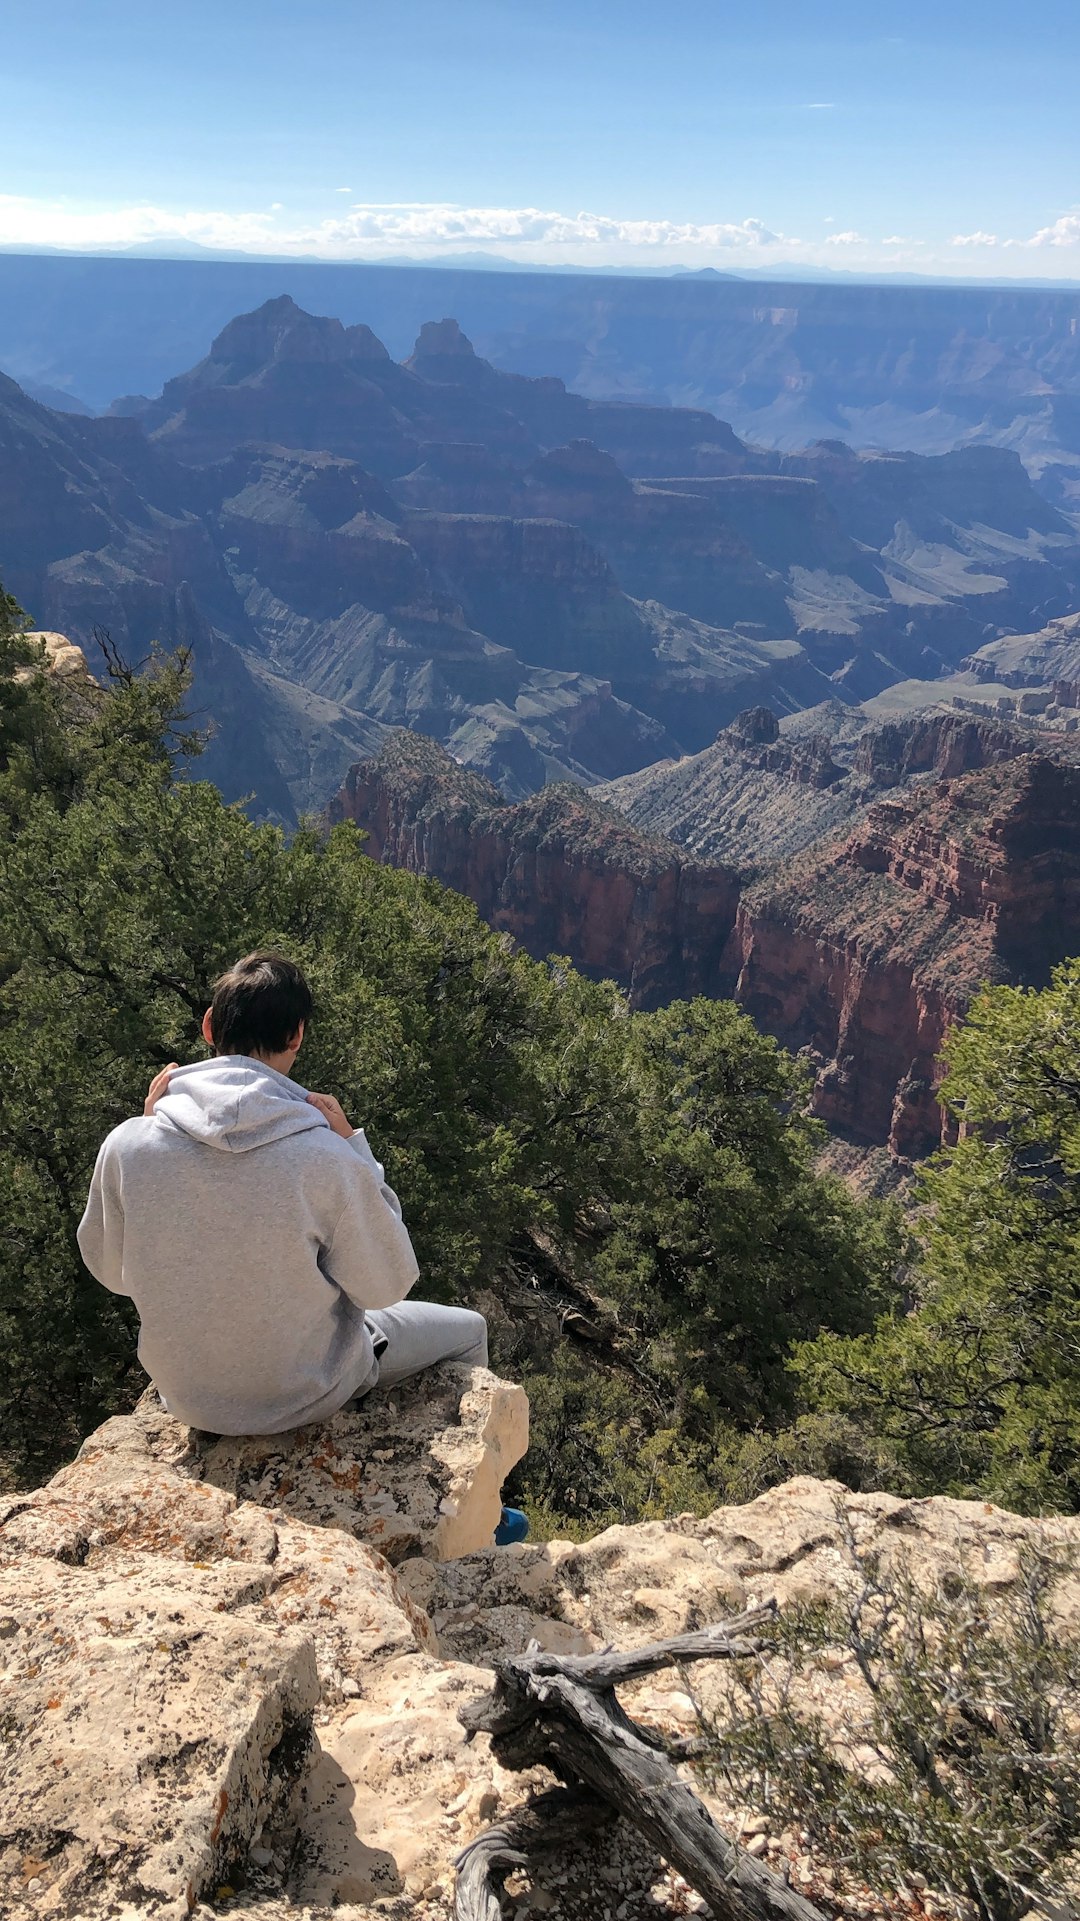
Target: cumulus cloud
425, 224
1064, 233
366, 226
368, 230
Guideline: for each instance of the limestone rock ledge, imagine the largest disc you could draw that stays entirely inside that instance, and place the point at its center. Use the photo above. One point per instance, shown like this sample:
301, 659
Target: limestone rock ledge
217, 1693
175, 1610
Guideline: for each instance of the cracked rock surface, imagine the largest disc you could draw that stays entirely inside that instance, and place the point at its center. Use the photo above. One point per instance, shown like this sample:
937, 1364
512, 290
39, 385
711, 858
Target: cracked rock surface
230, 1672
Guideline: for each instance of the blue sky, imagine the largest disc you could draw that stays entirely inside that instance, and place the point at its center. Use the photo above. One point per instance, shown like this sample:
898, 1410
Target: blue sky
932, 138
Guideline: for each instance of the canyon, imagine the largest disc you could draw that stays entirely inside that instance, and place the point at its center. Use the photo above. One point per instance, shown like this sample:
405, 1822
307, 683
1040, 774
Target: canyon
893, 365
707, 716
552, 585
860, 948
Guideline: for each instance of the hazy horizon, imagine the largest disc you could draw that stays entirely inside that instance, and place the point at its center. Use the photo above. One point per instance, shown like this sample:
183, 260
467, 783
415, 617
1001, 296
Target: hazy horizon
585, 137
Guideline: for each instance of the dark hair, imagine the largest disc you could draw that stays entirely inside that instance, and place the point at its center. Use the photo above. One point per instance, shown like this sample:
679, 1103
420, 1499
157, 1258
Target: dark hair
258, 1005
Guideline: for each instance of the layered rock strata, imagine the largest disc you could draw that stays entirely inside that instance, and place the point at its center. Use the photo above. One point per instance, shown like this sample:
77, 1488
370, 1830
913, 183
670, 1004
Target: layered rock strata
861, 946
869, 948
560, 871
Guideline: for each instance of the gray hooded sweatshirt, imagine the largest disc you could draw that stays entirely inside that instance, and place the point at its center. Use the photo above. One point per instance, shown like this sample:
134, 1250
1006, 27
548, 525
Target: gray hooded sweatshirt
251, 1238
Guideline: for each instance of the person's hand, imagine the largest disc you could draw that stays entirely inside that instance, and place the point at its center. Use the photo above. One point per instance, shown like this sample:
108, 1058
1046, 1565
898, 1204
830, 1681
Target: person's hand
332, 1109
159, 1086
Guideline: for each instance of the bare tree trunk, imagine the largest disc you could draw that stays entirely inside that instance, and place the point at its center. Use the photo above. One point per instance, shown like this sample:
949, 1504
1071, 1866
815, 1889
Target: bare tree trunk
561, 1712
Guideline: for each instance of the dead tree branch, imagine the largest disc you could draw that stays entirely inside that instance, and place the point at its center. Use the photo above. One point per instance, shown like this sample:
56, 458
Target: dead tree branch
561, 1712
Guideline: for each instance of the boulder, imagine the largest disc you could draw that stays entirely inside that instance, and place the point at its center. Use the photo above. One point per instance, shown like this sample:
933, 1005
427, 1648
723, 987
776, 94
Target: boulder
62, 657
178, 1613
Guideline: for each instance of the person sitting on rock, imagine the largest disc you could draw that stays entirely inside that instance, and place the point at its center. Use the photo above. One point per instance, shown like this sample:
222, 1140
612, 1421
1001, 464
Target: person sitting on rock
253, 1229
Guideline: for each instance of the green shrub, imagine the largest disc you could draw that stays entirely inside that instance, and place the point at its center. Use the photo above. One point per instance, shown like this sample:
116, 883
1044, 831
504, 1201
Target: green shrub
960, 1771
976, 1391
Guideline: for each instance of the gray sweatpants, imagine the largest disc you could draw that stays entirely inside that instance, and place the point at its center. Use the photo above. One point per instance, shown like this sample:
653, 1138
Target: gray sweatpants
419, 1334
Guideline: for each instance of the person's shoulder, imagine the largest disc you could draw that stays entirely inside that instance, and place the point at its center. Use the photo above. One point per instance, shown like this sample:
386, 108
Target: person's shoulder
335, 1156
329, 1146
135, 1130
130, 1134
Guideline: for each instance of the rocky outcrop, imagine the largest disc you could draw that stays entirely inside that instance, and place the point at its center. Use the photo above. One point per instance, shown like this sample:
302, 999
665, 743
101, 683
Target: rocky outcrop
1048, 658
940, 743
217, 1692
753, 797
60, 657
173, 1612
560, 871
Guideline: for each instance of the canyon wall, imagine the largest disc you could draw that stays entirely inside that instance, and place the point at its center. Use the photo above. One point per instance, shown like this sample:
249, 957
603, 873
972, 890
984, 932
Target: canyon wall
559, 871
862, 950
869, 948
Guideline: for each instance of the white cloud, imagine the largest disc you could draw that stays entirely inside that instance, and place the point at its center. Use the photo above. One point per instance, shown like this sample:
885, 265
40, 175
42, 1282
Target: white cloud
367, 226
1064, 233
818, 106
60, 223
532, 235
424, 224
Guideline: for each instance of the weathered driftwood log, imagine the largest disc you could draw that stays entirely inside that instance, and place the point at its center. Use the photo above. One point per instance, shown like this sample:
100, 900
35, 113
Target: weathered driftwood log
561, 1712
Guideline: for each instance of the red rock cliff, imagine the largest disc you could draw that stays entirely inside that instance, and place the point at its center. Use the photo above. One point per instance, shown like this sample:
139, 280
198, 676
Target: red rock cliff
869, 948
863, 950
561, 872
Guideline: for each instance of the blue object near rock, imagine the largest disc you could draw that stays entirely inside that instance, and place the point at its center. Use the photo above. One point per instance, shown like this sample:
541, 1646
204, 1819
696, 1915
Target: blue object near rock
514, 1526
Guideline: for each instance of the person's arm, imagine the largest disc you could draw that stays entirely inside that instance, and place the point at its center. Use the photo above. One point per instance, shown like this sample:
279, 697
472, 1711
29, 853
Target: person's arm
369, 1254
360, 1145
101, 1230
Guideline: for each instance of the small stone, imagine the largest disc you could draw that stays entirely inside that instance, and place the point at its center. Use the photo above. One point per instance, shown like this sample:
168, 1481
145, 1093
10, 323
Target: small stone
350, 1688
260, 1858
756, 1845
755, 1824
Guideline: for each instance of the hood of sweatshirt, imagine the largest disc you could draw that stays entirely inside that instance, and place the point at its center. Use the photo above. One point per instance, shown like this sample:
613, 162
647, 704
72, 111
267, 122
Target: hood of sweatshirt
236, 1103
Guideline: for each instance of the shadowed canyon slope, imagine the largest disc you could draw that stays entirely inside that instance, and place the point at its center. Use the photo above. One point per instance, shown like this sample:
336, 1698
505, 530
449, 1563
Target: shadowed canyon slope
927, 367
862, 946
548, 584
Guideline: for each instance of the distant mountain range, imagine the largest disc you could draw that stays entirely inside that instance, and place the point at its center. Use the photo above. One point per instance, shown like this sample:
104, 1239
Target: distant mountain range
549, 584
920, 366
